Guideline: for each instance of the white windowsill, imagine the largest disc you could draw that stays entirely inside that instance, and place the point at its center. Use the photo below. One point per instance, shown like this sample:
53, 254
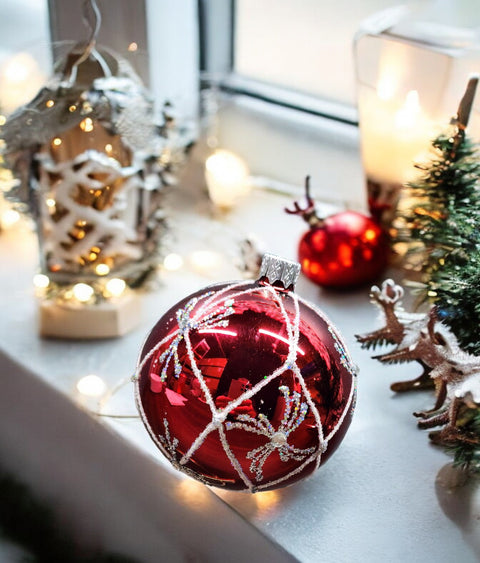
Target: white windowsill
375, 500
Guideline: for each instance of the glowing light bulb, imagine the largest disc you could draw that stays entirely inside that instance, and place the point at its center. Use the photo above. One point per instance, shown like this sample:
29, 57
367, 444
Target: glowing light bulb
204, 261
91, 386
82, 292
10, 217
20, 80
41, 281
227, 178
57, 142
172, 262
86, 125
102, 269
115, 287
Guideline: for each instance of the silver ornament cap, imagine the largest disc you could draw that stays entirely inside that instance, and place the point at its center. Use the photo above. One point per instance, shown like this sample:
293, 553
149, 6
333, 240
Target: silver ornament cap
279, 270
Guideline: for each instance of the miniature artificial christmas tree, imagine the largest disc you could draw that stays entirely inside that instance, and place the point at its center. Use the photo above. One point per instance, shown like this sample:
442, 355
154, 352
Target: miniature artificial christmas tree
439, 226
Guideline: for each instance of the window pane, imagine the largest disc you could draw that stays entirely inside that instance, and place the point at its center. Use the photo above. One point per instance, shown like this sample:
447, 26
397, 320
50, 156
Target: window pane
303, 45
25, 55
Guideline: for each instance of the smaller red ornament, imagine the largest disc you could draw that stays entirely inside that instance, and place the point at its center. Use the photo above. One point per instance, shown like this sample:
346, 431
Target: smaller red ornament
341, 251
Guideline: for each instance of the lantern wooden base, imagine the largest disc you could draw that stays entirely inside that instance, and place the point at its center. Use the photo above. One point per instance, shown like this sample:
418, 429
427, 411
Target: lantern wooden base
104, 320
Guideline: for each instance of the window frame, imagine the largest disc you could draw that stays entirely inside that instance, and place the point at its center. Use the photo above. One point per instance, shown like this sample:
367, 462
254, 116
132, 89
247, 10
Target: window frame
217, 67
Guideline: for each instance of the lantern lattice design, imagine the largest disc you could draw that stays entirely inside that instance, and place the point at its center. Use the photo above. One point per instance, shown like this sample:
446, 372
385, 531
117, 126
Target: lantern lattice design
93, 169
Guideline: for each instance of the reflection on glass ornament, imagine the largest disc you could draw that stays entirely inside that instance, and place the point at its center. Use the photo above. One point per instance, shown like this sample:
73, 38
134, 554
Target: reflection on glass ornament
245, 385
93, 168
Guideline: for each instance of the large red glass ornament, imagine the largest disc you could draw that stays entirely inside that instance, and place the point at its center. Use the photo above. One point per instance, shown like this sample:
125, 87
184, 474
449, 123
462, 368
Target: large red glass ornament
245, 385
341, 251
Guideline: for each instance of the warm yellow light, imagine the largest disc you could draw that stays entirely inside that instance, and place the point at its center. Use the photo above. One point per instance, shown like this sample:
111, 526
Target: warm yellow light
82, 292
267, 500
57, 142
172, 262
133, 47
227, 178
370, 235
115, 287
407, 116
91, 386
50, 103
3, 120
72, 108
86, 125
108, 148
194, 493
102, 269
50, 202
41, 281
387, 85
20, 79
204, 261
10, 217
19, 67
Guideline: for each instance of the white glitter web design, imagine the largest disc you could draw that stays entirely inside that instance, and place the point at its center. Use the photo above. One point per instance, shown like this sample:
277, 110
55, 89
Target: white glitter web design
277, 437
212, 306
186, 323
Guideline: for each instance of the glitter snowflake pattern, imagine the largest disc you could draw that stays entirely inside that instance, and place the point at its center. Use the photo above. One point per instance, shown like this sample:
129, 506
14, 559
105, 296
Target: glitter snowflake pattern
344, 357
293, 416
186, 323
170, 444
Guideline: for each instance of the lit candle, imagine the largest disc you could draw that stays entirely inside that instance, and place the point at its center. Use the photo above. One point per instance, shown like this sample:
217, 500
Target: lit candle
227, 178
394, 137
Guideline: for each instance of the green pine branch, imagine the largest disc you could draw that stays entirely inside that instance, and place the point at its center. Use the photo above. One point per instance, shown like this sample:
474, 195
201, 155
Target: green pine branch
441, 226
466, 448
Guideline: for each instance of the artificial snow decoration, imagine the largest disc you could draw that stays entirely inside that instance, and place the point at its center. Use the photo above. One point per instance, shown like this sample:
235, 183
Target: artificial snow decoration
452, 372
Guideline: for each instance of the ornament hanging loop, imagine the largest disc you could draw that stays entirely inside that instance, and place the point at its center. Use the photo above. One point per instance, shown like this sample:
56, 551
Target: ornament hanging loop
92, 18
279, 272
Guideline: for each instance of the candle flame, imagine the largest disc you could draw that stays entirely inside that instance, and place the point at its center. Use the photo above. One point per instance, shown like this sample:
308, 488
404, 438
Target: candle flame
407, 116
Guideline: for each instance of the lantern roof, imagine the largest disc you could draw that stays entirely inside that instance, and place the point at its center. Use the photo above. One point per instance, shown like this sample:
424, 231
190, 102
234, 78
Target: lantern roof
101, 86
